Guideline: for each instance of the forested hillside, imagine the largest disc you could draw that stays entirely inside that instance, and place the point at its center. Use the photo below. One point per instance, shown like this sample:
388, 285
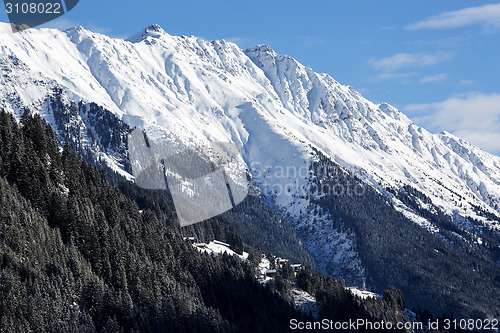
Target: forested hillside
78, 255
395, 250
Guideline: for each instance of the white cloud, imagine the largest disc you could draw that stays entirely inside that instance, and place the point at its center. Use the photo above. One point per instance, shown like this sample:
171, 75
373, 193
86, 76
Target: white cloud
388, 27
311, 40
472, 116
434, 78
243, 42
403, 77
64, 23
466, 82
363, 90
60, 24
402, 60
487, 16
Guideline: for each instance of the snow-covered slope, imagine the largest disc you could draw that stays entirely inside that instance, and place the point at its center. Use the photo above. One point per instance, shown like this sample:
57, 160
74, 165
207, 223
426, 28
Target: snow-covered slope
216, 248
194, 91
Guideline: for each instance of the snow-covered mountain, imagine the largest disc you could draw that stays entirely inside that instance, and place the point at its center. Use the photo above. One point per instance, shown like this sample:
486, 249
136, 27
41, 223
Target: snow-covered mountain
203, 90
283, 115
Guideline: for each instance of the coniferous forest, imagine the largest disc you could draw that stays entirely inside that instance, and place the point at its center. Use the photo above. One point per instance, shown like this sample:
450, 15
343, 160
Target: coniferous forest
446, 277
77, 255
81, 254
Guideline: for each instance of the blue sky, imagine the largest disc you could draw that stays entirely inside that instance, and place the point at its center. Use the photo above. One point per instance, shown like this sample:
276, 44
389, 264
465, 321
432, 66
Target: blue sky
437, 61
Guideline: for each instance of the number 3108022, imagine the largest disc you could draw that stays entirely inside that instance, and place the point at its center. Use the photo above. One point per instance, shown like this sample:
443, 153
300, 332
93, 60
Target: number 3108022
33, 8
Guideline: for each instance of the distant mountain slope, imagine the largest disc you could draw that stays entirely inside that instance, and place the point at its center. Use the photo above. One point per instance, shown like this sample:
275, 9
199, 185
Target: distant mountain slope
287, 119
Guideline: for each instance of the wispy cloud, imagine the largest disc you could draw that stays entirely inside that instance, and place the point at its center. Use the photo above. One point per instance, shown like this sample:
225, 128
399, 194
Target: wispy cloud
243, 42
465, 38
487, 16
434, 78
466, 82
64, 23
388, 27
405, 78
102, 30
402, 60
311, 40
60, 24
472, 116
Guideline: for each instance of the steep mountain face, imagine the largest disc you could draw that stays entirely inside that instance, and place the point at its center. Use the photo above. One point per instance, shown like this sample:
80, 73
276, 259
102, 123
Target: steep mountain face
290, 122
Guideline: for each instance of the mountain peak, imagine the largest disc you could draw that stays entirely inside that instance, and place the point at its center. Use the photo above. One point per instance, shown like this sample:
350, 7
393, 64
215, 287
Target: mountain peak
76, 30
154, 31
77, 34
154, 28
262, 49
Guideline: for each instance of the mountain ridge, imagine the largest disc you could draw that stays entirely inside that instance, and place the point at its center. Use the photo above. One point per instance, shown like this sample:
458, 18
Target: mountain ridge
362, 131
